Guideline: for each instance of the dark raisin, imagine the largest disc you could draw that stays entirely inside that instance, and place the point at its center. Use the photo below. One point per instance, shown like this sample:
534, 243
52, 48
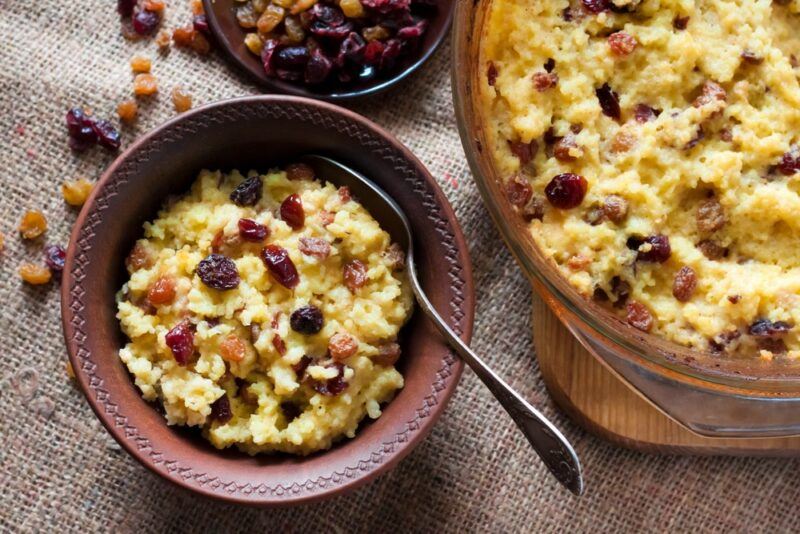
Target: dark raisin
638, 316
247, 193
125, 7
712, 250
767, 328
644, 113
621, 291
54, 258
318, 68
280, 265
107, 135
609, 101
525, 152
534, 210
734, 299
549, 65
291, 57
518, 190
300, 367
680, 23
684, 284
654, 248
566, 191
699, 136
315, 246
615, 208
710, 215
542, 81
355, 275
180, 341
564, 147
250, 230
751, 57
221, 410
775, 346
599, 294
218, 272
306, 320
292, 211
790, 161
596, 6
145, 22
721, 341
290, 411
332, 386
491, 73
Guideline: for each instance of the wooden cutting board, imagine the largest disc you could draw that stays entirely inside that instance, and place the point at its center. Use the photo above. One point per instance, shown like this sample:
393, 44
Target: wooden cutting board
601, 403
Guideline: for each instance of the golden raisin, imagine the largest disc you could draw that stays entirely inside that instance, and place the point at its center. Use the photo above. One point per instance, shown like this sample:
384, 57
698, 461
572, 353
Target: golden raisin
70, 370
154, 5
232, 349
351, 8
162, 291
638, 316
302, 5
76, 192
181, 99
253, 43
623, 141
35, 274
355, 275
200, 44
33, 224
140, 64
183, 36
127, 111
144, 85
163, 40
197, 7
341, 346
139, 258
375, 33
271, 17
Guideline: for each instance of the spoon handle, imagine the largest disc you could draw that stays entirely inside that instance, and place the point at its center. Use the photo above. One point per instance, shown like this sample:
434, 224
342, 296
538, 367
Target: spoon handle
548, 442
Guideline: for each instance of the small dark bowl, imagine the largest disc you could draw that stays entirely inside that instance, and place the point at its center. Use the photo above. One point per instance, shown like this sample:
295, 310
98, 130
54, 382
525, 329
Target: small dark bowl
230, 37
244, 133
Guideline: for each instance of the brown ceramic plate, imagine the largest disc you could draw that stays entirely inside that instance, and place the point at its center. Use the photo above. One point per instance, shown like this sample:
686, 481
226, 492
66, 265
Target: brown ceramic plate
230, 36
245, 133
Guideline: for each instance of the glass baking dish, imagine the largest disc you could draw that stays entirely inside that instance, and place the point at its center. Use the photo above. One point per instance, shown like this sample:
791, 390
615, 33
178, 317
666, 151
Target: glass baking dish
709, 394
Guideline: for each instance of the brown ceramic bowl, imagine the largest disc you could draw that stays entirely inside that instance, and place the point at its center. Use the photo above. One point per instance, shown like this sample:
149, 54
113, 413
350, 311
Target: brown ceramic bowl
245, 133
230, 36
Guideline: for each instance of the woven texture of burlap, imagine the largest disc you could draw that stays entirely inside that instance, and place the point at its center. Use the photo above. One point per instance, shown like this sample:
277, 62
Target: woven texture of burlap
60, 470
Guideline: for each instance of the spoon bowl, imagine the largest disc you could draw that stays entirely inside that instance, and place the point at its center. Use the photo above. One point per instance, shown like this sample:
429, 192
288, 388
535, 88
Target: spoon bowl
548, 442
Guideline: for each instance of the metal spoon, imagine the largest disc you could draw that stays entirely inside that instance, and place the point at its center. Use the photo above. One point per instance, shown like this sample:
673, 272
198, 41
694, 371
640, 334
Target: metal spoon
553, 448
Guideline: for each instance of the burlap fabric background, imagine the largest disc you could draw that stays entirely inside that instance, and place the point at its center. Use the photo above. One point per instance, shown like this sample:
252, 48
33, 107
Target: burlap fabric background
61, 470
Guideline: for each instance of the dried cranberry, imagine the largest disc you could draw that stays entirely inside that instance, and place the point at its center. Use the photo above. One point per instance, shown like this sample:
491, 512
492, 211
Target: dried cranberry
373, 52
145, 22
291, 57
566, 191
412, 32
250, 230
596, 6
767, 328
658, 250
327, 14
54, 257
180, 341
644, 113
280, 265
609, 101
221, 410
300, 367
352, 48
267, 54
525, 152
279, 344
390, 54
76, 120
332, 386
318, 68
491, 73
107, 135
218, 272
200, 24
292, 211
790, 161
125, 7
680, 23
320, 29
386, 6
83, 140
247, 193
306, 320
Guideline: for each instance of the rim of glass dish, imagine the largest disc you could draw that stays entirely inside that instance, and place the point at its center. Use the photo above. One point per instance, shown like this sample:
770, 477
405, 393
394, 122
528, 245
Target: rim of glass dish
687, 362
